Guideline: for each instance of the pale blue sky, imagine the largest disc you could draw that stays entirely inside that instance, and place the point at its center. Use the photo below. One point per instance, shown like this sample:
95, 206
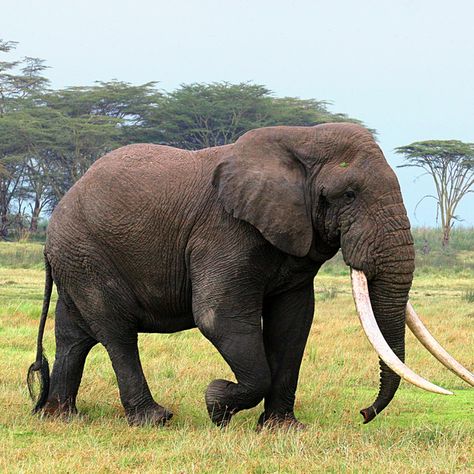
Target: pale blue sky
406, 68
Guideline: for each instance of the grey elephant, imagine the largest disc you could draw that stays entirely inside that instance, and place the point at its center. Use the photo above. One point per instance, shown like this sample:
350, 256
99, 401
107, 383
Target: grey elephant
229, 240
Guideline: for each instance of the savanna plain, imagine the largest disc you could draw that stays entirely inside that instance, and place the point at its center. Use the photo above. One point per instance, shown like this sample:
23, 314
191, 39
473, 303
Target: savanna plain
418, 432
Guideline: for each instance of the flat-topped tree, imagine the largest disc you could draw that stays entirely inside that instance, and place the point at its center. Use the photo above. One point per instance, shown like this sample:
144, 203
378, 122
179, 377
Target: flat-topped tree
202, 115
451, 165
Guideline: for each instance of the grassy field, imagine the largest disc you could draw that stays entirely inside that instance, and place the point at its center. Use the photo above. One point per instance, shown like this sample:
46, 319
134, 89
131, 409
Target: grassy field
418, 432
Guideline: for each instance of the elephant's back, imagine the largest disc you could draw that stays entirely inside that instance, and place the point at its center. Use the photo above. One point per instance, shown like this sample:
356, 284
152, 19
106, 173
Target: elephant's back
136, 174
136, 203
132, 189
142, 160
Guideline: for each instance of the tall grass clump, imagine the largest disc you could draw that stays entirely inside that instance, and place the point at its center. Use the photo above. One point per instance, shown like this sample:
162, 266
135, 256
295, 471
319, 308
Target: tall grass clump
21, 255
468, 296
432, 257
461, 239
326, 293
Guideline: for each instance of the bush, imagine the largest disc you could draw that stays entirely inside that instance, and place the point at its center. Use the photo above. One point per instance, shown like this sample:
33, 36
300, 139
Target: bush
468, 296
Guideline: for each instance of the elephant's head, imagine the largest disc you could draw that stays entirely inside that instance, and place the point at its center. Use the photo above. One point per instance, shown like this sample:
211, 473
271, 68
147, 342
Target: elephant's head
313, 190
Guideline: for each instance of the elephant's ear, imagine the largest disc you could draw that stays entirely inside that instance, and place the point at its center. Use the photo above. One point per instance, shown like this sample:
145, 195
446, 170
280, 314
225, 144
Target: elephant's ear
263, 183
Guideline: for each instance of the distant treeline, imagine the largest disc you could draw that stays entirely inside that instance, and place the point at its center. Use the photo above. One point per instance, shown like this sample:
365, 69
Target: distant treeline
49, 138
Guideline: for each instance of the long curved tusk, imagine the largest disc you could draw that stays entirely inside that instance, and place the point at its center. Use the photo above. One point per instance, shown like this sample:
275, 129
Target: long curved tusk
360, 292
423, 335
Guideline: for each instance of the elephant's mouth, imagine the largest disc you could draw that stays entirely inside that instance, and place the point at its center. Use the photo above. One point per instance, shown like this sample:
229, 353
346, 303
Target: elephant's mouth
364, 308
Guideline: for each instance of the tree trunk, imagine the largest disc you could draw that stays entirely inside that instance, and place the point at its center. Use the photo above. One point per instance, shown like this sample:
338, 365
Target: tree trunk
3, 215
4, 226
446, 234
35, 217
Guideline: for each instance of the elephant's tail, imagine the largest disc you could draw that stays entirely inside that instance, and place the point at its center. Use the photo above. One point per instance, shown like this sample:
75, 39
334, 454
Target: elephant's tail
41, 366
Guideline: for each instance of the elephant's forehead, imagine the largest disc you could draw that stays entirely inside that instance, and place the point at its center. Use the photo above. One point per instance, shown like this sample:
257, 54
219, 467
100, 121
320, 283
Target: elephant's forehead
374, 166
366, 168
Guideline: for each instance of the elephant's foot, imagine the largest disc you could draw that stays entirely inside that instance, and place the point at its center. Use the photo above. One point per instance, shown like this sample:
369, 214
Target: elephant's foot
155, 415
219, 404
54, 407
274, 421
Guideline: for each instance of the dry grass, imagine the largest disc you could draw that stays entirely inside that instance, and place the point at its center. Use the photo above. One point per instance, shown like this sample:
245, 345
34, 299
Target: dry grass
419, 432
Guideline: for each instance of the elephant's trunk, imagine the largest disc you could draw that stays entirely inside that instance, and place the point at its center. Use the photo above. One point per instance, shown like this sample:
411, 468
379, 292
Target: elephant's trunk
388, 292
385, 329
389, 306
383, 310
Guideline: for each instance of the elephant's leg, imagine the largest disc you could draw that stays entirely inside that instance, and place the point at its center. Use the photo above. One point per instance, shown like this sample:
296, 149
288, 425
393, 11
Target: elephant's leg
140, 408
287, 319
72, 346
233, 325
241, 345
227, 307
110, 310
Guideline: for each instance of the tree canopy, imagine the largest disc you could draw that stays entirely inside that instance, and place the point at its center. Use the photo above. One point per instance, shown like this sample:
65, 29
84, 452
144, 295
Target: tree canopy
450, 163
203, 115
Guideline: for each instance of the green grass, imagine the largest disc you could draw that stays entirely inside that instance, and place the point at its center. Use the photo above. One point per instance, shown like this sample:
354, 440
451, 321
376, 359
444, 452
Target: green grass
468, 295
462, 238
418, 432
21, 255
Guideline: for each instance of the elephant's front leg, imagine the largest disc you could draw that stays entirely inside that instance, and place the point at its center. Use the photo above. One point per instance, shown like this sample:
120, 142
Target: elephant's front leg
287, 319
230, 317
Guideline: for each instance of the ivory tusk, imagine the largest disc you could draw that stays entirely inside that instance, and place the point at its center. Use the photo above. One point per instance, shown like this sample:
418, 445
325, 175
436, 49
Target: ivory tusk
423, 335
360, 292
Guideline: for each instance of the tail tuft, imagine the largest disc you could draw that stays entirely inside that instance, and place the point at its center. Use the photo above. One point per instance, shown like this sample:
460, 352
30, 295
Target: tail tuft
40, 372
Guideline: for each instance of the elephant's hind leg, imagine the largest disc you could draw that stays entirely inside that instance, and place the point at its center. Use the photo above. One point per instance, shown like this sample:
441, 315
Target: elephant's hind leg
140, 408
108, 307
72, 346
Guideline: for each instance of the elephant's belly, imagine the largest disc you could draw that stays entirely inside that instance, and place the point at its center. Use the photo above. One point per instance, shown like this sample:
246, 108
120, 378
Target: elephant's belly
164, 306
166, 323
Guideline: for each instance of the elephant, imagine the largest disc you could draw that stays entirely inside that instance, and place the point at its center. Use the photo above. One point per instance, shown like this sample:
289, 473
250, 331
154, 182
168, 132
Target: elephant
228, 239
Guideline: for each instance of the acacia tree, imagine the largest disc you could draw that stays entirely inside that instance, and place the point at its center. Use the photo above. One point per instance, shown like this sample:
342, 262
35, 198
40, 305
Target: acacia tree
48, 139
87, 121
202, 115
451, 165
129, 106
21, 81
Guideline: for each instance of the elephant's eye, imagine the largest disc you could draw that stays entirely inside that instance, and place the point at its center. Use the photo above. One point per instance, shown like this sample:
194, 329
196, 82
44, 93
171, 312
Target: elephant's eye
349, 196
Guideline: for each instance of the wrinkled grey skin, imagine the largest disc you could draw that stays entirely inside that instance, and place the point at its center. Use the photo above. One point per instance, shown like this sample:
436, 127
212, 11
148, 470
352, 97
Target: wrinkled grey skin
228, 239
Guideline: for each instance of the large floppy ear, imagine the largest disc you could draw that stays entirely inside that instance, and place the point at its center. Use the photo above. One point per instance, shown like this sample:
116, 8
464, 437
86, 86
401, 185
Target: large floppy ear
262, 182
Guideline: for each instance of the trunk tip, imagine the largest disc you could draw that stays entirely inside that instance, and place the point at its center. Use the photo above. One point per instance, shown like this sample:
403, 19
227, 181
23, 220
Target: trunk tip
369, 414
